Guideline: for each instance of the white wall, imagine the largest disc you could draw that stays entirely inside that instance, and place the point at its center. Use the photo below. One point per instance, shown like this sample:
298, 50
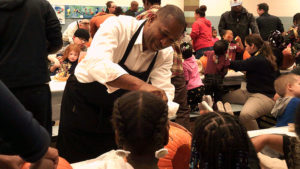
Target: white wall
281, 8
277, 7
179, 3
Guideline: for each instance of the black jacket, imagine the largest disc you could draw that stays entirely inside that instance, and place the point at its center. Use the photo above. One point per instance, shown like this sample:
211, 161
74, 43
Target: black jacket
20, 134
267, 23
260, 74
29, 31
239, 24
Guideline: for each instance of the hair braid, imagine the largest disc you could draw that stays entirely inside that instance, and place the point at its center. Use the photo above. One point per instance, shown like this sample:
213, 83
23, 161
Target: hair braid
160, 136
219, 141
140, 119
118, 124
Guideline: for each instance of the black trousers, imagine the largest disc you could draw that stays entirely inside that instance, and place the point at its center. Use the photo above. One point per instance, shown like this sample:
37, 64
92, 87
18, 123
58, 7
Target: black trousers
37, 100
183, 113
195, 97
214, 86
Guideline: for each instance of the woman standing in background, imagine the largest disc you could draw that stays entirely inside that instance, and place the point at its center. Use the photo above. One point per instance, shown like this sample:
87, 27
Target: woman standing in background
201, 32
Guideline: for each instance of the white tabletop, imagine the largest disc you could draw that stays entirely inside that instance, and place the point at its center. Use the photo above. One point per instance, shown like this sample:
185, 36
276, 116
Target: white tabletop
57, 86
273, 130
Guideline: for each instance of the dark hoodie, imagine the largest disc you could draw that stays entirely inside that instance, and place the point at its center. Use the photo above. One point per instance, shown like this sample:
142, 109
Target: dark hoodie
239, 24
29, 30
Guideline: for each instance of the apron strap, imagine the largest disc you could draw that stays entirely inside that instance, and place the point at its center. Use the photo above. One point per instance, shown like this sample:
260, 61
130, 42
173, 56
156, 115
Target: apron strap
131, 43
152, 64
77, 24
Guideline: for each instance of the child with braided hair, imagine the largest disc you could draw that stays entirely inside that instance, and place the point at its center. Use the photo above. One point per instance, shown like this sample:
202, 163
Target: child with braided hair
140, 121
221, 142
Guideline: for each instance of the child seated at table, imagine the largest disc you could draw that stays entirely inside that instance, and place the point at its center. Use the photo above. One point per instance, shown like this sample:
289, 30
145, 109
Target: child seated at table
216, 69
221, 141
288, 88
286, 145
68, 62
235, 46
194, 85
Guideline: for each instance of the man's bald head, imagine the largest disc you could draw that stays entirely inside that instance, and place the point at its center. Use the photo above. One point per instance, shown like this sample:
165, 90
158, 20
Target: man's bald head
170, 12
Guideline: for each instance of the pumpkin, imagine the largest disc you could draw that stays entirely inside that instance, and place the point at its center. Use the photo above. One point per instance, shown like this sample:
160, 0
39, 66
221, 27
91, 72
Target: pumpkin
203, 61
62, 164
179, 148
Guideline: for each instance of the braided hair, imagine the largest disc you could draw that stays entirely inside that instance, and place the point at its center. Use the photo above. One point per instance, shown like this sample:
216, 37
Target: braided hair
140, 120
219, 142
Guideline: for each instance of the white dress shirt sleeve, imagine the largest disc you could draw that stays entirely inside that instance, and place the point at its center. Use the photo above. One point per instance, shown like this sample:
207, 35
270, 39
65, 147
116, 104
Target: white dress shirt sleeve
160, 77
69, 32
100, 64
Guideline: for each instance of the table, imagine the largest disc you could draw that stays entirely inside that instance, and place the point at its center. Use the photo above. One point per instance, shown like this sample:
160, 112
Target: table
273, 130
57, 90
233, 78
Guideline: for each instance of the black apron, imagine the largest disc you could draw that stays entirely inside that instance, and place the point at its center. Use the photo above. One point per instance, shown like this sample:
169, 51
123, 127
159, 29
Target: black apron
85, 129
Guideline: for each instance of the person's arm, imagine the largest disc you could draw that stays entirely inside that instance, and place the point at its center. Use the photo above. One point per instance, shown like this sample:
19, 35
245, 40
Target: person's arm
244, 65
222, 25
11, 162
53, 30
240, 46
186, 72
253, 25
20, 130
129, 82
53, 59
93, 27
273, 141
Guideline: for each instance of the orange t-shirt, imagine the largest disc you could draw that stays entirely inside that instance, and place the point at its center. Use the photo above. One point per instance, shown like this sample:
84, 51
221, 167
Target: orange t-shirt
96, 21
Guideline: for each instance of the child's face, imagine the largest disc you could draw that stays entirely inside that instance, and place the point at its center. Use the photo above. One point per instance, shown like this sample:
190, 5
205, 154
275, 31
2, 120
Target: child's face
228, 36
295, 87
214, 33
73, 56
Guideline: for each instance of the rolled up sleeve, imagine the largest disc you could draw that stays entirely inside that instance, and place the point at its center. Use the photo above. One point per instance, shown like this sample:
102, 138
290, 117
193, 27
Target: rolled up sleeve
99, 64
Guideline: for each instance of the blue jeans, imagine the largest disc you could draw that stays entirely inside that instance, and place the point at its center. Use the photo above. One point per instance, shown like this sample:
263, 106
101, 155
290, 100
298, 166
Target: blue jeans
200, 52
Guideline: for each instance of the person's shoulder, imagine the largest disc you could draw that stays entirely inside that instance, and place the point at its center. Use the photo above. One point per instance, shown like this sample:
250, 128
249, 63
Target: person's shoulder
226, 14
295, 100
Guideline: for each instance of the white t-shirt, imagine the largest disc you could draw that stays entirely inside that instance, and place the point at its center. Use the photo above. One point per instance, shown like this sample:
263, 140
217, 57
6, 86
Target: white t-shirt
109, 160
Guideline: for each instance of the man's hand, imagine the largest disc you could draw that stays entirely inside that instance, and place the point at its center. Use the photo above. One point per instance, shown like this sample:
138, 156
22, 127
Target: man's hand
156, 91
11, 162
50, 160
52, 154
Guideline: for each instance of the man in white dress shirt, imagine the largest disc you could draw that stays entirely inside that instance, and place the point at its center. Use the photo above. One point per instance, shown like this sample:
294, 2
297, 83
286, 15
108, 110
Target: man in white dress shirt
125, 55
